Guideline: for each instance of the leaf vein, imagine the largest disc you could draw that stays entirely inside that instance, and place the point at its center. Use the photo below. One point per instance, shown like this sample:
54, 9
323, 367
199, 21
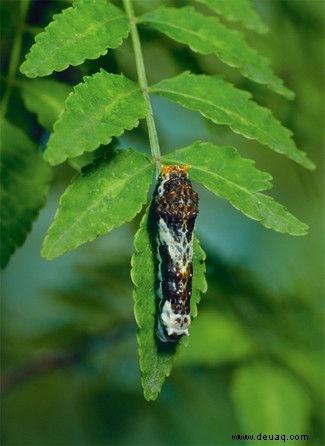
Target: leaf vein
218, 107
98, 202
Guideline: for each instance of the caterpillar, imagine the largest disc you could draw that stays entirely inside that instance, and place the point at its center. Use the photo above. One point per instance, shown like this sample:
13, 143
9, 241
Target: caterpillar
176, 206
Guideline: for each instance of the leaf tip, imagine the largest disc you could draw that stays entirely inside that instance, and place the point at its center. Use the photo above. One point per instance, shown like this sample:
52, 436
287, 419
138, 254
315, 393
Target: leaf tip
22, 67
149, 395
26, 71
46, 251
52, 158
289, 94
309, 164
303, 230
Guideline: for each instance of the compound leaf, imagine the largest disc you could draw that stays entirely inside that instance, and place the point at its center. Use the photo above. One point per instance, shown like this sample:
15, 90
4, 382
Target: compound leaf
45, 98
222, 103
156, 358
206, 35
237, 11
102, 107
224, 172
83, 31
105, 195
25, 181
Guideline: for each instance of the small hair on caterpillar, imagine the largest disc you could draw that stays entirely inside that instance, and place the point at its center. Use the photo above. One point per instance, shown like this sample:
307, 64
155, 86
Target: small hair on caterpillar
176, 208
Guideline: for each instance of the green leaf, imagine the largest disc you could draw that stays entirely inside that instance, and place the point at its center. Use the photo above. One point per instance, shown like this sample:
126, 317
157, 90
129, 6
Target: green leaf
206, 35
225, 173
237, 11
45, 98
216, 339
269, 399
222, 103
89, 157
25, 181
105, 195
103, 106
156, 359
83, 31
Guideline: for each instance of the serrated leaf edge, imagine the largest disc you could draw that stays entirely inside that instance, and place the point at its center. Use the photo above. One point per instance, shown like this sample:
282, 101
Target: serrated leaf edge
276, 84
76, 89
64, 66
254, 195
72, 247
149, 396
261, 27
308, 164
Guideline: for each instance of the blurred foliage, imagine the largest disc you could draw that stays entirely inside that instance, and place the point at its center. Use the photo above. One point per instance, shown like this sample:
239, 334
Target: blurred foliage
255, 358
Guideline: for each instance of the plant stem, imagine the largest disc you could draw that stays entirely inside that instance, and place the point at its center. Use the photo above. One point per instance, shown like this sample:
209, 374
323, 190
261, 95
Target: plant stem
15, 56
153, 138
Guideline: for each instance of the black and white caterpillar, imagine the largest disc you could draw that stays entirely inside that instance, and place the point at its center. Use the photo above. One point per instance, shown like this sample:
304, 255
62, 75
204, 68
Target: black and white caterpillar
176, 206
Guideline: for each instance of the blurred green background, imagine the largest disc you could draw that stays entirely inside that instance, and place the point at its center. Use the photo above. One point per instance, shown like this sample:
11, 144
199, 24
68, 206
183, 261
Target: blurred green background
255, 361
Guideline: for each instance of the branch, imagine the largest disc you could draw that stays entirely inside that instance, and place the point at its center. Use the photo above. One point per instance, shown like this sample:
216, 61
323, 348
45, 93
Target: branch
153, 138
19, 375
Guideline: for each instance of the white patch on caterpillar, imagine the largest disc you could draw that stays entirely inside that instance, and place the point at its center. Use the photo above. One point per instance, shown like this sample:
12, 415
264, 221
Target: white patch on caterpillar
175, 249
173, 323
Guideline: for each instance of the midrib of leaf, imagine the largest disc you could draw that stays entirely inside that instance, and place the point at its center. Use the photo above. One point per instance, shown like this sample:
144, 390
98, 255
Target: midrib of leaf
90, 29
226, 180
121, 96
180, 28
99, 114
120, 184
228, 112
253, 195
